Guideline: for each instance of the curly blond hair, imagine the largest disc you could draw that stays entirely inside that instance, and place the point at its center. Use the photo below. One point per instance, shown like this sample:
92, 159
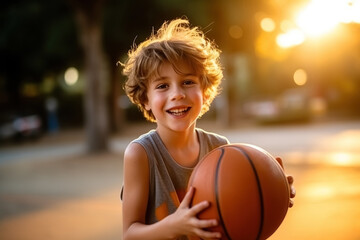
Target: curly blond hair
175, 41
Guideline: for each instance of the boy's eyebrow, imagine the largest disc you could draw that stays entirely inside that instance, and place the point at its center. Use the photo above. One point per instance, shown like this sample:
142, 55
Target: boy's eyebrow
158, 79
161, 78
190, 75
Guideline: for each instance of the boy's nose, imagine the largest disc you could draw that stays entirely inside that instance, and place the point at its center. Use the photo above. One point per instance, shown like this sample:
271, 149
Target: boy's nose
177, 94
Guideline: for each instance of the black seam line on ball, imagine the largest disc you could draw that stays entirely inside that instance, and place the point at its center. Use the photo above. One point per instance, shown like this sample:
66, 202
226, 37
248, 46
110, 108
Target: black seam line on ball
217, 194
259, 190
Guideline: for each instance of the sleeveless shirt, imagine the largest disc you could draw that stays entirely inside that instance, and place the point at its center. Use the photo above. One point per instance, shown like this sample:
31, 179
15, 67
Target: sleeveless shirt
168, 179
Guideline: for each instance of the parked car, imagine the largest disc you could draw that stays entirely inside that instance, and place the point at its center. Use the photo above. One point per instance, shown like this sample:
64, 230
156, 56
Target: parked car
16, 126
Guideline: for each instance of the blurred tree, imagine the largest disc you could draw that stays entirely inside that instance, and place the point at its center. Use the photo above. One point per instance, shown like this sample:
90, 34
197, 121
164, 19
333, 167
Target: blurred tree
88, 16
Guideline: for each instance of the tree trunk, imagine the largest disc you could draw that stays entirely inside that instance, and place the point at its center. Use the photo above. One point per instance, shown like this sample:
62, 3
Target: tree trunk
88, 18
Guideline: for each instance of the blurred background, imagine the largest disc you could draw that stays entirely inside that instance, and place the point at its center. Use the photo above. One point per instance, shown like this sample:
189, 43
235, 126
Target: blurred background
292, 81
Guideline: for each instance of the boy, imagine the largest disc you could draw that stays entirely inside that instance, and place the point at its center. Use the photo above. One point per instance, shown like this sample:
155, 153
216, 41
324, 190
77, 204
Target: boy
173, 78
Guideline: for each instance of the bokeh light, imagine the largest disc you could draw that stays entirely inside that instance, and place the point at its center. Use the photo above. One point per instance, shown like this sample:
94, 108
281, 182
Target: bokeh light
300, 77
267, 24
342, 159
235, 31
71, 76
286, 25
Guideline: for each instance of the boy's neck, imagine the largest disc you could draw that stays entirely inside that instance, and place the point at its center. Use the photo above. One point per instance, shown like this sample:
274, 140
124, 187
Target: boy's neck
184, 146
177, 139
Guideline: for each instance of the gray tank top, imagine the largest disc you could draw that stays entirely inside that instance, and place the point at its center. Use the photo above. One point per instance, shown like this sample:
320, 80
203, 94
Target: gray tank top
168, 179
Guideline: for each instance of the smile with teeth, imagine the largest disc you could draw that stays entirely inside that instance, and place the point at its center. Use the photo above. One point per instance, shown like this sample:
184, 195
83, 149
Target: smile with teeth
178, 111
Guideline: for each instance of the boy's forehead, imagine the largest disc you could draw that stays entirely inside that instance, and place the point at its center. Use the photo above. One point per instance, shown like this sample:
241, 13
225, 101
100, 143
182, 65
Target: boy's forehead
181, 67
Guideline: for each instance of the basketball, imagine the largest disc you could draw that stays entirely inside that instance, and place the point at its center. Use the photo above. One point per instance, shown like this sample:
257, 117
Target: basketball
247, 189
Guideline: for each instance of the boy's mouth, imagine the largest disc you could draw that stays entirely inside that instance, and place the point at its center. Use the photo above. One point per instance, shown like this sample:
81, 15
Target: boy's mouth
178, 111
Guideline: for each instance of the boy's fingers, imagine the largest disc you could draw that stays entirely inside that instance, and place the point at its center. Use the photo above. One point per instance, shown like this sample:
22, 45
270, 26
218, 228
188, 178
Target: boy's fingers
207, 234
188, 196
290, 179
207, 223
199, 207
291, 203
292, 192
292, 189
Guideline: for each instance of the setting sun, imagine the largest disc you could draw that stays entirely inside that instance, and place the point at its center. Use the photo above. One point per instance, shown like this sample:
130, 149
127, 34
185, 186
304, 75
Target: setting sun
322, 16
317, 18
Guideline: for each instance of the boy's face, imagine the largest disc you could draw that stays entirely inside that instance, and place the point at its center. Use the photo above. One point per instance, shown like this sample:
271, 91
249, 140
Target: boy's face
175, 99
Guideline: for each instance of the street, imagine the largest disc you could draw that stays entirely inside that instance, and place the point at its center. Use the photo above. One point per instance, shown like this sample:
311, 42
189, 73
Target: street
66, 194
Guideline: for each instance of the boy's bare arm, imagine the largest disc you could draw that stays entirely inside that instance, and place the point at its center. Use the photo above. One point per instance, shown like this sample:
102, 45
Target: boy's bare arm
135, 195
136, 189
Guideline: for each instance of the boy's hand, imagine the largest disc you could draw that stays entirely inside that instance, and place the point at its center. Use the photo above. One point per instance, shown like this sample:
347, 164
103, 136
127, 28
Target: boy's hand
186, 222
290, 180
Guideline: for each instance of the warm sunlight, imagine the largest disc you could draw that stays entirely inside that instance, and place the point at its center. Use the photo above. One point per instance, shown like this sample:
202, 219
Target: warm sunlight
291, 38
342, 159
323, 16
316, 19
319, 17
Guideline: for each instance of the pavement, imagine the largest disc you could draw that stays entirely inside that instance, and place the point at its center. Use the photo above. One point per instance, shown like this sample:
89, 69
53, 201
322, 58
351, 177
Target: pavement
53, 189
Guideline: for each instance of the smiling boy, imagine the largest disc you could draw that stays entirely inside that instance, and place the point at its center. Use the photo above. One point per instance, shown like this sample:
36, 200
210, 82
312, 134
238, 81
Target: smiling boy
172, 77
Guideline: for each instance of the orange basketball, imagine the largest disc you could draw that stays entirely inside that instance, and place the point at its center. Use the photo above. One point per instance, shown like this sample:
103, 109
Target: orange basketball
247, 189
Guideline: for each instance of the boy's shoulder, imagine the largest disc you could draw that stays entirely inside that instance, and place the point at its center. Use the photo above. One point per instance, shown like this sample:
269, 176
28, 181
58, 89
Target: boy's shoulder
212, 137
145, 136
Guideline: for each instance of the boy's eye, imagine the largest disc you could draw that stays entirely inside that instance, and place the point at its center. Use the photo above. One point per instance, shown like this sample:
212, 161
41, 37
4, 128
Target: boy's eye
161, 86
189, 82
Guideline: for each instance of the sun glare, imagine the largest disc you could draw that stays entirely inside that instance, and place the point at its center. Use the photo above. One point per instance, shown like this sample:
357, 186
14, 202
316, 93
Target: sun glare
323, 16
291, 38
316, 19
350, 11
319, 17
